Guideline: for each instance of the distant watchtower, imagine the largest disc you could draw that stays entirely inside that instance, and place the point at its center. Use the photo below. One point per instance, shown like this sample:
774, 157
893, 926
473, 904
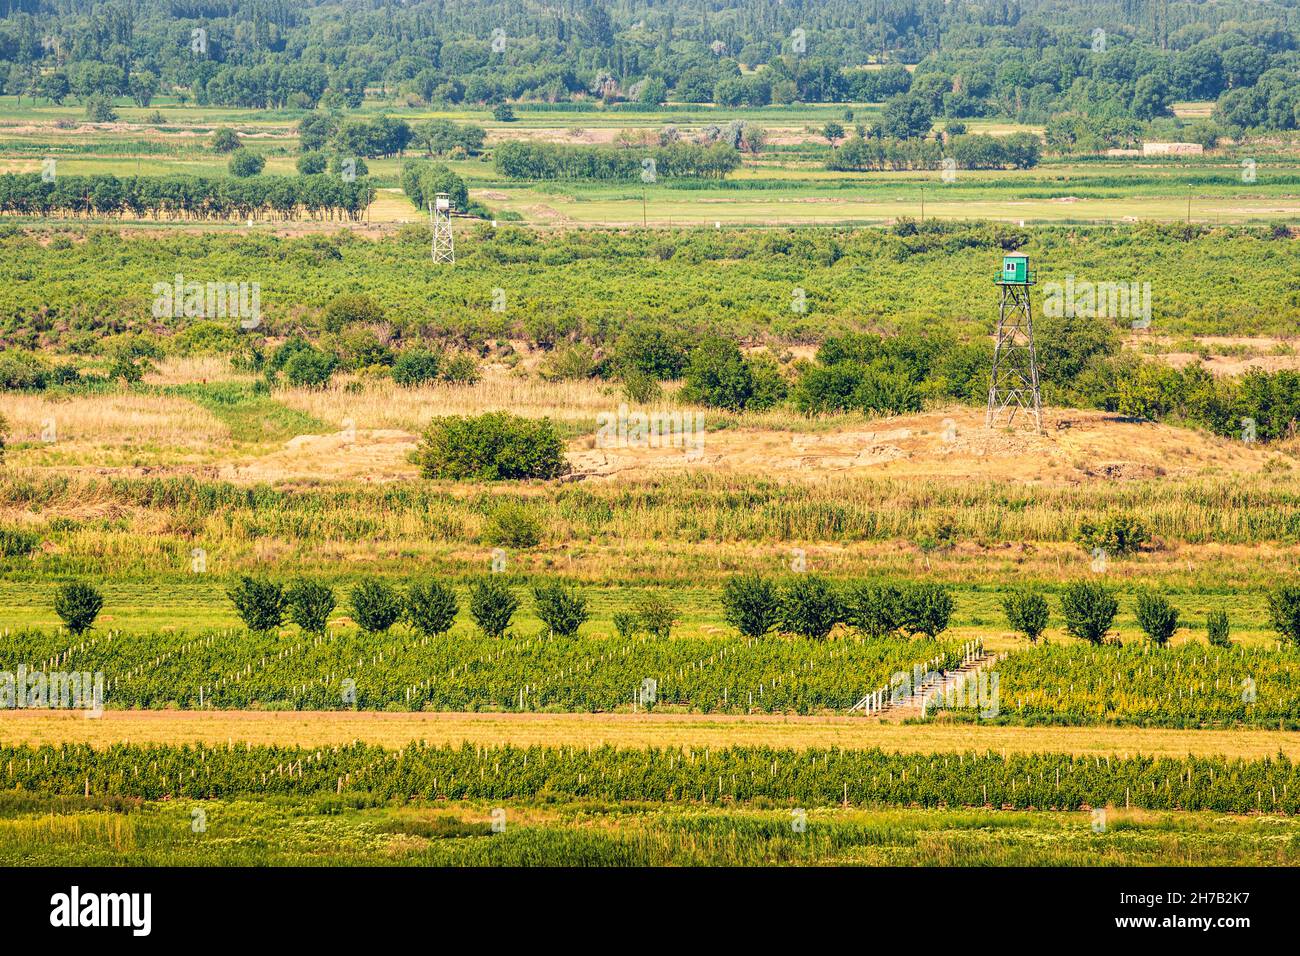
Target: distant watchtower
444, 247
1014, 382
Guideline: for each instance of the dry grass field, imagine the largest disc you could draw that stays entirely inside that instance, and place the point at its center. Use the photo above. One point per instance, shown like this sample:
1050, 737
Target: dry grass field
309, 729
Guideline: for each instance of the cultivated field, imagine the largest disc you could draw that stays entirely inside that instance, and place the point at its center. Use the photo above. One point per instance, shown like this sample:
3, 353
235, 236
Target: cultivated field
174, 462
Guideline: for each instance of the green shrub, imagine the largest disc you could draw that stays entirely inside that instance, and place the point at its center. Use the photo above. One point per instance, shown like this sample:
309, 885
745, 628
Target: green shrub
344, 310
656, 614
513, 526
4, 434
926, 609
492, 604
77, 605
1156, 616
660, 351
310, 368
1026, 612
312, 164
310, 605
492, 447
563, 610
751, 604
1116, 535
23, 371
416, 367
431, 607
225, 140
245, 163
17, 542
375, 606
875, 610
1284, 612
259, 603
810, 607
460, 369
718, 376
1089, 609
1217, 630
626, 624
641, 387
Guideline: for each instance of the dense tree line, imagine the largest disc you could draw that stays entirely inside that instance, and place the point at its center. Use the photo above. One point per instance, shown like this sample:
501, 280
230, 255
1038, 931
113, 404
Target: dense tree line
977, 151
520, 160
186, 197
981, 58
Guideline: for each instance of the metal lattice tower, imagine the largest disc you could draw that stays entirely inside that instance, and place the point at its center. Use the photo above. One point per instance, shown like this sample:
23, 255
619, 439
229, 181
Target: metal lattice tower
1014, 382
444, 245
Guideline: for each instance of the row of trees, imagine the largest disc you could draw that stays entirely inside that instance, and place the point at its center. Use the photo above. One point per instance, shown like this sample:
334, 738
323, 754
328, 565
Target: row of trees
429, 607
972, 151
186, 197
807, 605
520, 160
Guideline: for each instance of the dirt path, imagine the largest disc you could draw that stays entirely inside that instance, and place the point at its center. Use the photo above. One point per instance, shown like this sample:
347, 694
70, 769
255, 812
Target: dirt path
629, 730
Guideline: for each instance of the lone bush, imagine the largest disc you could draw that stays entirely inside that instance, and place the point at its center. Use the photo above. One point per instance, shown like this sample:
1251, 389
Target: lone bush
259, 603
875, 610
656, 614
416, 367
562, 609
492, 604
1089, 610
492, 447
810, 607
244, 163
310, 605
1217, 630
1117, 535
512, 526
375, 606
751, 604
1156, 616
431, 607
626, 624
310, 368
1026, 612
77, 605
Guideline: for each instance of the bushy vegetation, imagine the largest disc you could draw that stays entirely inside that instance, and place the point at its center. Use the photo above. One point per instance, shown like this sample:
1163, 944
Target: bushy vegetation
431, 607
310, 605
495, 446
1089, 608
1156, 616
77, 604
562, 609
751, 604
376, 606
1026, 612
260, 604
492, 604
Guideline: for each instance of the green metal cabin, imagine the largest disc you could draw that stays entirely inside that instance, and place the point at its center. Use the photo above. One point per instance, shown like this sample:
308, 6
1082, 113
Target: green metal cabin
1015, 269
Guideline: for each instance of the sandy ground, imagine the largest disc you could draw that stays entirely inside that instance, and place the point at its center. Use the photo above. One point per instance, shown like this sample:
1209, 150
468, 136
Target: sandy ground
1075, 446
308, 728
